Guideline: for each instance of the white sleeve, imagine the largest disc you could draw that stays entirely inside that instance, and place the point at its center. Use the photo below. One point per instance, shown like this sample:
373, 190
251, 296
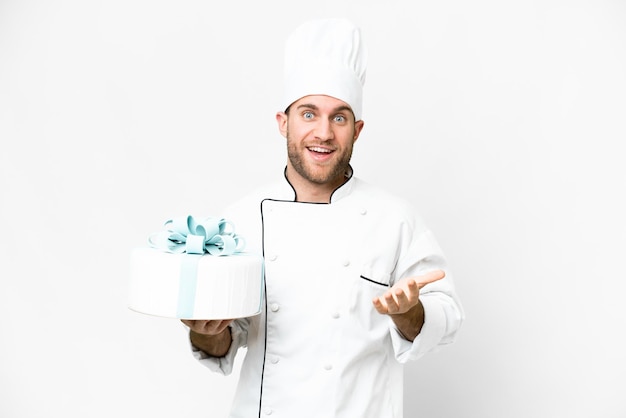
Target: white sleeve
443, 313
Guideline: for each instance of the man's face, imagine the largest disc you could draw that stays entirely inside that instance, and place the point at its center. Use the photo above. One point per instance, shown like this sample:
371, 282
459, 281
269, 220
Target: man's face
320, 132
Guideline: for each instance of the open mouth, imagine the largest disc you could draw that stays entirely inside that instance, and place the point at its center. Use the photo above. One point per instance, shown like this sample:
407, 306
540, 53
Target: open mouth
320, 154
320, 150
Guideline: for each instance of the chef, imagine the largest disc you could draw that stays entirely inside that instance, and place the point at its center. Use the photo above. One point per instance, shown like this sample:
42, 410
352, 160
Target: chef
355, 283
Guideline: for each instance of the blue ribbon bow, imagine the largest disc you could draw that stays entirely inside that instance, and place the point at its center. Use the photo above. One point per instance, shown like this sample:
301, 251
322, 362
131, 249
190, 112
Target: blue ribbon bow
197, 236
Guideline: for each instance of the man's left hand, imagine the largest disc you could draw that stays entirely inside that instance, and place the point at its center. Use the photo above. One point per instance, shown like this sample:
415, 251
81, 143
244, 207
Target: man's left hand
404, 295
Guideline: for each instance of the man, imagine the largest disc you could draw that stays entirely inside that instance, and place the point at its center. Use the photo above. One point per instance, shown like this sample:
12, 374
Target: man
355, 284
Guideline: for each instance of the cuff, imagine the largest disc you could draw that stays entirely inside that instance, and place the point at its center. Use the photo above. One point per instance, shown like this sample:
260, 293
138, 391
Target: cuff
429, 337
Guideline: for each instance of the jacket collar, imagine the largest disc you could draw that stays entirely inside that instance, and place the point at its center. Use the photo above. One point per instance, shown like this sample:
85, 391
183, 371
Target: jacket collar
287, 192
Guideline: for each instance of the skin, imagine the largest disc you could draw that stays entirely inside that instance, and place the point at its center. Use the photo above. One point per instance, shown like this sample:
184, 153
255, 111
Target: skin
321, 132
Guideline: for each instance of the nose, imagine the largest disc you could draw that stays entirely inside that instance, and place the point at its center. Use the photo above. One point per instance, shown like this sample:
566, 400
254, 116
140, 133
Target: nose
324, 130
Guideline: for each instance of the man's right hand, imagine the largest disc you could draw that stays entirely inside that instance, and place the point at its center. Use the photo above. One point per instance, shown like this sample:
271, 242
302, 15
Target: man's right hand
211, 336
204, 327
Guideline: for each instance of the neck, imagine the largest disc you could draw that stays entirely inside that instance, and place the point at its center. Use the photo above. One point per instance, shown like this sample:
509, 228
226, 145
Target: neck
310, 192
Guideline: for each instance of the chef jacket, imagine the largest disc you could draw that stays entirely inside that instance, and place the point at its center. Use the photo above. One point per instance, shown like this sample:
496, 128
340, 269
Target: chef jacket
319, 348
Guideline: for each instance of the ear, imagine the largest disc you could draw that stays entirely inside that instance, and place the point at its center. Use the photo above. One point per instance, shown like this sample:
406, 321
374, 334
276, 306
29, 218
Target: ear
281, 119
358, 127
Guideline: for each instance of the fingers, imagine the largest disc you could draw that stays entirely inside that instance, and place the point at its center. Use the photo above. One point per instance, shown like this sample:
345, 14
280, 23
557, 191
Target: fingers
207, 327
413, 287
431, 276
393, 301
382, 309
405, 294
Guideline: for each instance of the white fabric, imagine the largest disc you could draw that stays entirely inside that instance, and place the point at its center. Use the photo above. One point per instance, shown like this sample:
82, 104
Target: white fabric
326, 57
328, 352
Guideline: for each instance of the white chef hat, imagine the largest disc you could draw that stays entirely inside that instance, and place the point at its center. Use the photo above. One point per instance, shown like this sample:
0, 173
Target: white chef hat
326, 57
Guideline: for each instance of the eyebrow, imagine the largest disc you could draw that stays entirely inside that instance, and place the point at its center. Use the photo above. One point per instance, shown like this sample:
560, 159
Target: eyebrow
335, 110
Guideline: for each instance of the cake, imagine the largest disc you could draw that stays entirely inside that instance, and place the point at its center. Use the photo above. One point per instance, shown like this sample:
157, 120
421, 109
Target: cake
196, 269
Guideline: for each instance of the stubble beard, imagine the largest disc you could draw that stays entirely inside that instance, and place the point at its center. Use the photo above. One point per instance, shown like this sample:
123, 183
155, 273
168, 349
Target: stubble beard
336, 172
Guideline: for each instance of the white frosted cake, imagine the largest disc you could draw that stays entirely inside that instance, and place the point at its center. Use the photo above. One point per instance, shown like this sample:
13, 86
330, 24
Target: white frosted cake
185, 285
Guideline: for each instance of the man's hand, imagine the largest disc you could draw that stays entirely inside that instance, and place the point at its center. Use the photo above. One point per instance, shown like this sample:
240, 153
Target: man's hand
213, 337
212, 327
402, 303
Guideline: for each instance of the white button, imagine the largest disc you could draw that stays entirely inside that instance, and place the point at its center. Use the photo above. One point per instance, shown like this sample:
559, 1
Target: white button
267, 411
273, 257
346, 263
274, 307
335, 315
328, 366
363, 211
275, 360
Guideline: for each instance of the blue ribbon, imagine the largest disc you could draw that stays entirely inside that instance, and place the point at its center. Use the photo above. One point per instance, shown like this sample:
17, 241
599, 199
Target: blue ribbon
190, 235
187, 286
195, 237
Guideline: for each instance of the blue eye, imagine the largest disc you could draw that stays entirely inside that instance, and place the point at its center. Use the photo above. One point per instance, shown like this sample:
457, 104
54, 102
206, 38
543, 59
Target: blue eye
307, 115
340, 118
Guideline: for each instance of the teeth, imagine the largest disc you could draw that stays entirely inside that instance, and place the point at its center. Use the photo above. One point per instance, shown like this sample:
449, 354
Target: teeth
318, 149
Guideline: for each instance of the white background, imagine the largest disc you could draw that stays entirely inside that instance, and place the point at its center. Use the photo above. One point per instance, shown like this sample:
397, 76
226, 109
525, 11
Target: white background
504, 122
